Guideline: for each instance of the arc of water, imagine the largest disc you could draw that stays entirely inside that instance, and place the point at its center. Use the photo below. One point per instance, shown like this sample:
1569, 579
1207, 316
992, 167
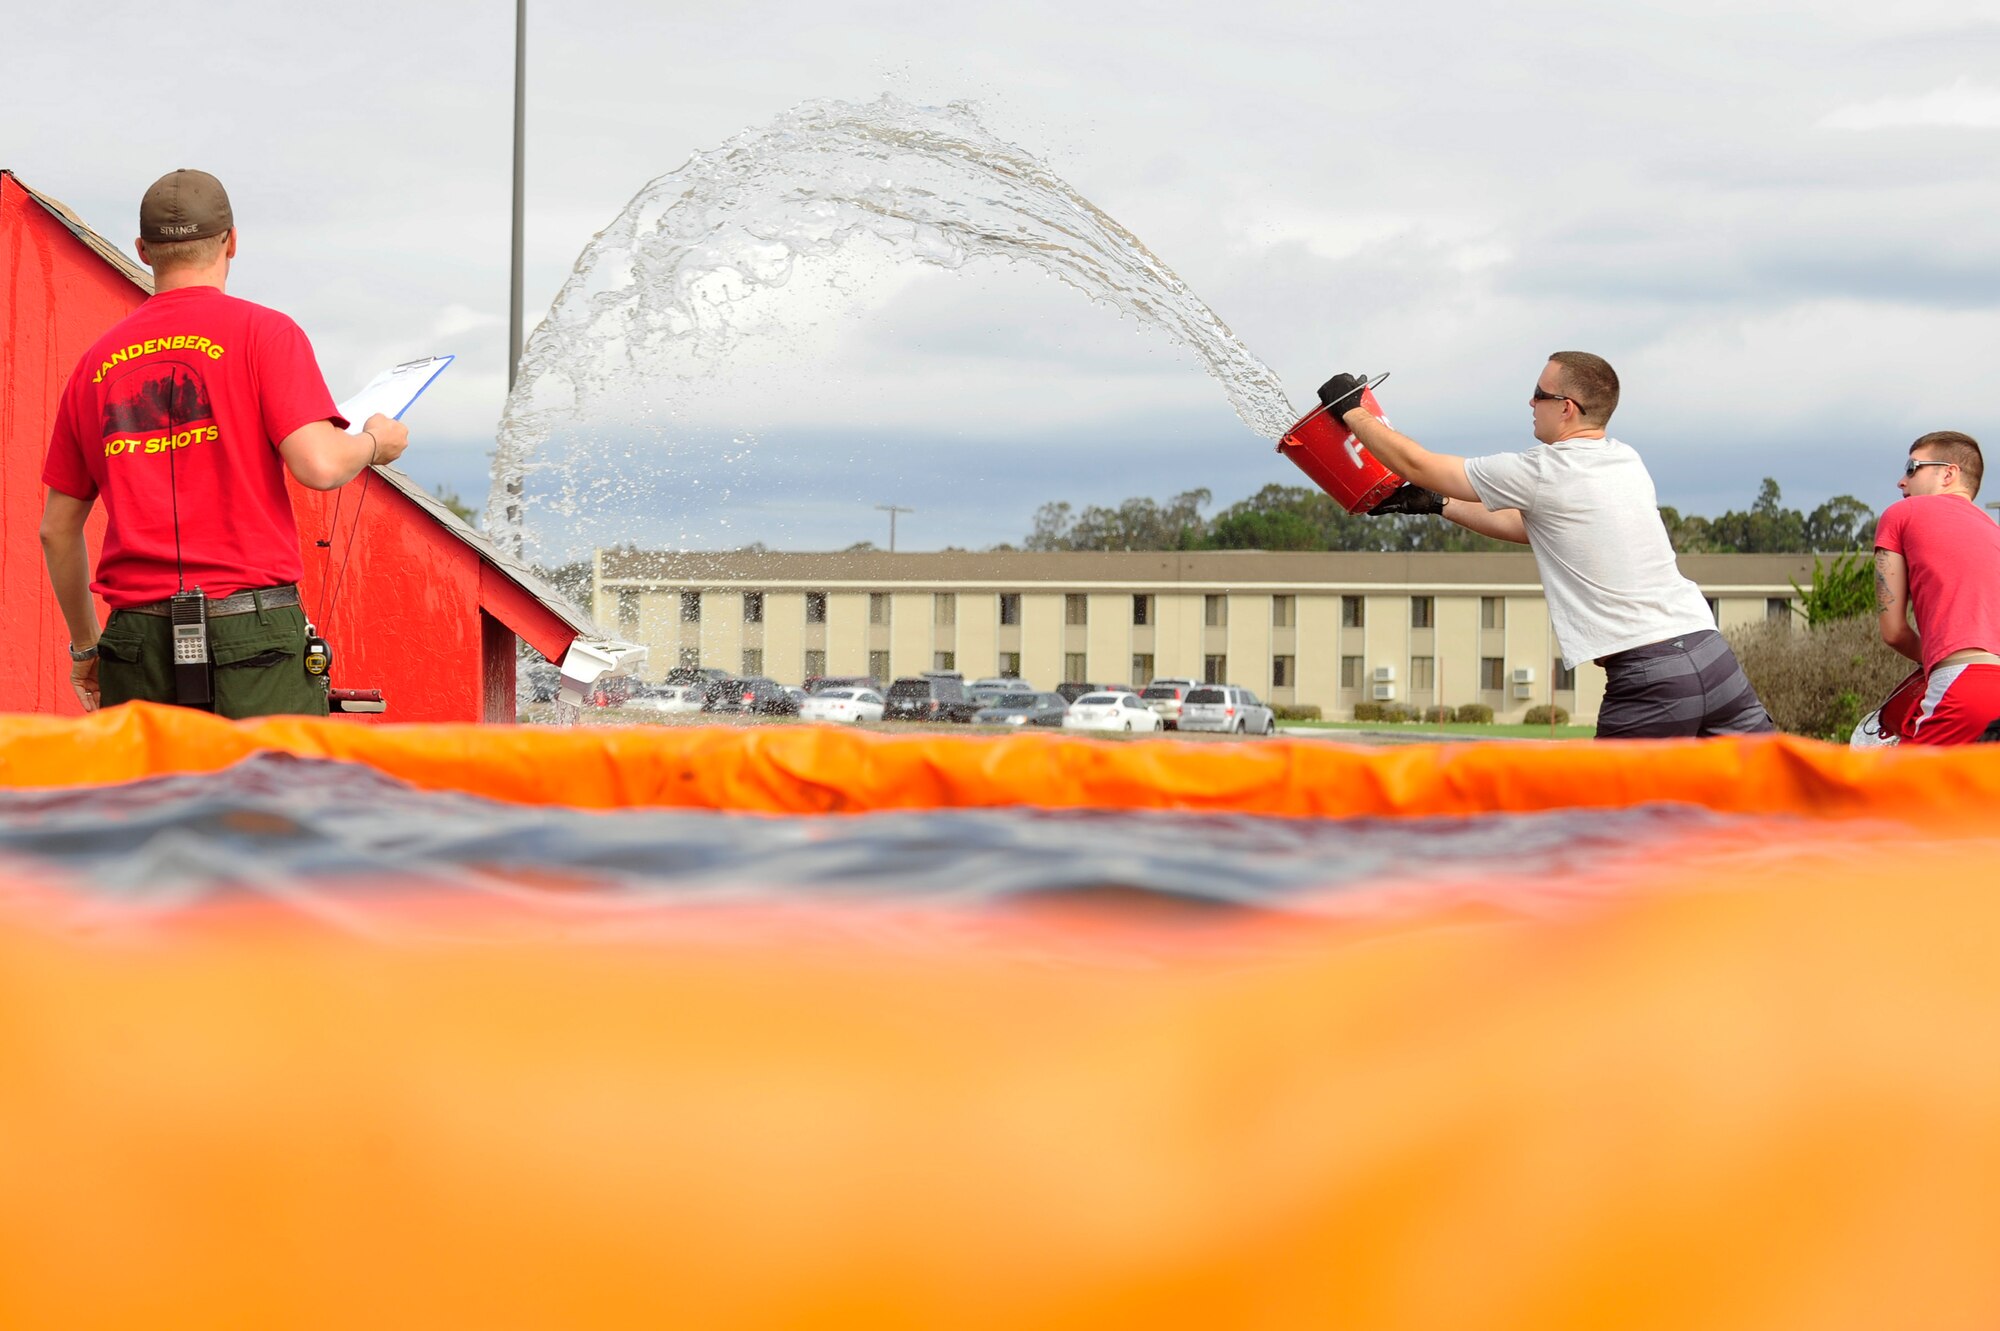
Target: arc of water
932, 182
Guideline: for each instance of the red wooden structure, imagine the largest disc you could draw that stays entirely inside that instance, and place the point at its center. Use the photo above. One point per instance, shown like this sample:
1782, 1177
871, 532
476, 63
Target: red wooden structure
416, 603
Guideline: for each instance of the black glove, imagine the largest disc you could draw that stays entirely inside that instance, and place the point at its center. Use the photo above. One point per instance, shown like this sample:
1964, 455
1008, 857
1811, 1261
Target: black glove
1409, 499
1342, 393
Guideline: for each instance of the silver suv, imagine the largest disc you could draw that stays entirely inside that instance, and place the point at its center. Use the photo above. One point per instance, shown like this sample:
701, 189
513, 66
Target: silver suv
1226, 707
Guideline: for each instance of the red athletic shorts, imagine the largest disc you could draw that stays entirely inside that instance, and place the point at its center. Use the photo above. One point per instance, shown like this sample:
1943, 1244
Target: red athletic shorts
1959, 703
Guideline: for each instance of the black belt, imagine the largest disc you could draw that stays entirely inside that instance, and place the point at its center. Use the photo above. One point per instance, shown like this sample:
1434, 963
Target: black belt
242, 603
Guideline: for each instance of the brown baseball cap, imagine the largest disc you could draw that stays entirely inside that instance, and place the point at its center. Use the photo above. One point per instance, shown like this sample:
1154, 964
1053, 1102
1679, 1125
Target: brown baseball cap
185, 205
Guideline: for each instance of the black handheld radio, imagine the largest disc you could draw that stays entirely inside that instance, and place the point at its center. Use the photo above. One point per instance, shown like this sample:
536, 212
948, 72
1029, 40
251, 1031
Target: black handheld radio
193, 686
187, 609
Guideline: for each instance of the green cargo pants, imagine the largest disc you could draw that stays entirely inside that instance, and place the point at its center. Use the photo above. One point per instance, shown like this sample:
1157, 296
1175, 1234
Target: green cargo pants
259, 663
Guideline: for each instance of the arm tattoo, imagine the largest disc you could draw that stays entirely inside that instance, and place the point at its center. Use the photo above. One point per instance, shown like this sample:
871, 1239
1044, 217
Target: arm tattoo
1883, 600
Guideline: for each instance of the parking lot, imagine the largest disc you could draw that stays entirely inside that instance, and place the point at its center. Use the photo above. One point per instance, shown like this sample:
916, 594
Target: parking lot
546, 714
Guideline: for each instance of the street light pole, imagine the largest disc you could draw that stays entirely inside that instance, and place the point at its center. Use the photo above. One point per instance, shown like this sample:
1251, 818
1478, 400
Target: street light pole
892, 510
520, 186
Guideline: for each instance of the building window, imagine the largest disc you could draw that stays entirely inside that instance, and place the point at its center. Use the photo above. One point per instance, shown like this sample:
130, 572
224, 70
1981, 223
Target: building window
1353, 615
1423, 612
753, 607
1281, 672
1282, 610
1492, 672
1215, 611
1715, 610
690, 658
878, 666
1142, 611
753, 661
1423, 674
1350, 672
1010, 665
1778, 608
815, 664
1215, 670
1142, 671
1010, 609
1492, 612
1564, 677
1073, 667
815, 607
944, 609
690, 607
1076, 608
628, 611
878, 607
944, 660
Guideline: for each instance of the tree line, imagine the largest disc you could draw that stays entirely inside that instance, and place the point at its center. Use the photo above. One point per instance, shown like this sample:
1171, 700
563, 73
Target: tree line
1298, 517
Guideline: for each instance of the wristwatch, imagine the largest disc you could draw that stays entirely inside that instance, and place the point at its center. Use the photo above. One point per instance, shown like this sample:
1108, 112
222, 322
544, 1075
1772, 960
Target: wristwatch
83, 654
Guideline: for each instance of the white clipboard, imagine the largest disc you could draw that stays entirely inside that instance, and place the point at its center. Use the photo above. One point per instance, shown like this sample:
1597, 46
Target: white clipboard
393, 391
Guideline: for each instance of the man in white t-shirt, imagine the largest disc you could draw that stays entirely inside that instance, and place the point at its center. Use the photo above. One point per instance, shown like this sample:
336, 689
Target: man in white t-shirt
1585, 504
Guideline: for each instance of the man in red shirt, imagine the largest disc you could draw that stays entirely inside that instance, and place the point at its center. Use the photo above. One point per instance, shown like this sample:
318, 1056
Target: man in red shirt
185, 418
1937, 552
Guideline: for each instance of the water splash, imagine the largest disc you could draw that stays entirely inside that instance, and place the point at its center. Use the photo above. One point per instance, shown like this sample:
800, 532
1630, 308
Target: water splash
931, 183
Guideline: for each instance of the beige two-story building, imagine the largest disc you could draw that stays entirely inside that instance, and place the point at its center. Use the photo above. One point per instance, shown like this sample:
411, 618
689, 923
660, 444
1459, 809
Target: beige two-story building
1326, 629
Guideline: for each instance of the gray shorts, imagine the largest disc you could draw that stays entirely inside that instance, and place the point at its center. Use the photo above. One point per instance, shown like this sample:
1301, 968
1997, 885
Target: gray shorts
1685, 686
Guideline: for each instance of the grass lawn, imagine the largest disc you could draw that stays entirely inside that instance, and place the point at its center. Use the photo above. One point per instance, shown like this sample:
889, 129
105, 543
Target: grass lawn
1468, 730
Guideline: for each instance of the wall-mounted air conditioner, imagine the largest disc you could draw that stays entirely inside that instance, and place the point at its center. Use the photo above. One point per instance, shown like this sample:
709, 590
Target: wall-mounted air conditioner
1385, 692
1524, 674
1385, 674
1524, 690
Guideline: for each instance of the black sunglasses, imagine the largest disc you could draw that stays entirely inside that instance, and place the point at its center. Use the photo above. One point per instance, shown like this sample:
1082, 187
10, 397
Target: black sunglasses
1543, 395
1910, 467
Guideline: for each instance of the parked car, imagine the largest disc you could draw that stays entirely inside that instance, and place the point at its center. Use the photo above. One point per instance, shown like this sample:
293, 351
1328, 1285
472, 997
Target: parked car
1071, 692
818, 683
755, 694
542, 680
1022, 709
1110, 711
1177, 683
1004, 683
1226, 707
710, 678
1166, 699
937, 695
845, 705
670, 698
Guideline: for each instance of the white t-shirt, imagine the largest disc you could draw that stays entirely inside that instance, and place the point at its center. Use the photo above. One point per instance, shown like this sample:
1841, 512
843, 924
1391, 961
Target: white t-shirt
1593, 521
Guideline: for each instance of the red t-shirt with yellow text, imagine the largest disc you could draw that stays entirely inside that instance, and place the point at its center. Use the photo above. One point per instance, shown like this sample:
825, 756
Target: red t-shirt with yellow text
180, 409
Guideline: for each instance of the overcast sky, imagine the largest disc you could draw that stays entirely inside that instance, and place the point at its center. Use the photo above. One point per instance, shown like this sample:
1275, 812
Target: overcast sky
1777, 221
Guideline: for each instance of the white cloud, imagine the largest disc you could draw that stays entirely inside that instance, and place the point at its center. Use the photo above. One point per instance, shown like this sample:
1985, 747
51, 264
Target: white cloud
1960, 105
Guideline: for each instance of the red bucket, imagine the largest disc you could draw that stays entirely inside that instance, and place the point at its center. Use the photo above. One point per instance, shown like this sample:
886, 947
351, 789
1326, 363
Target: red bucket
1327, 451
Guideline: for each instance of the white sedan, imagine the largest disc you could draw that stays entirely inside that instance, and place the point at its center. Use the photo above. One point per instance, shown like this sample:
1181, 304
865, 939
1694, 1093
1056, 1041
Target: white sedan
1110, 711
672, 698
847, 705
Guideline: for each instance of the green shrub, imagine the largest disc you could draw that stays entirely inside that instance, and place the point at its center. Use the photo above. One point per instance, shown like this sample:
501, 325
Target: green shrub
1475, 714
1844, 589
1368, 711
1296, 711
1823, 681
1438, 716
1546, 714
1398, 713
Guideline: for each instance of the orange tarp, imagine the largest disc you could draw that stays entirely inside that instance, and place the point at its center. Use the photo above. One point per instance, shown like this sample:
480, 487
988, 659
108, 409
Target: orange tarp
824, 769
1749, 1090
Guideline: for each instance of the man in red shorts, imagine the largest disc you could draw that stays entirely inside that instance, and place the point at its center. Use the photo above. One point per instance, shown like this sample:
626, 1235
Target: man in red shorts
185, 418
1937, 552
